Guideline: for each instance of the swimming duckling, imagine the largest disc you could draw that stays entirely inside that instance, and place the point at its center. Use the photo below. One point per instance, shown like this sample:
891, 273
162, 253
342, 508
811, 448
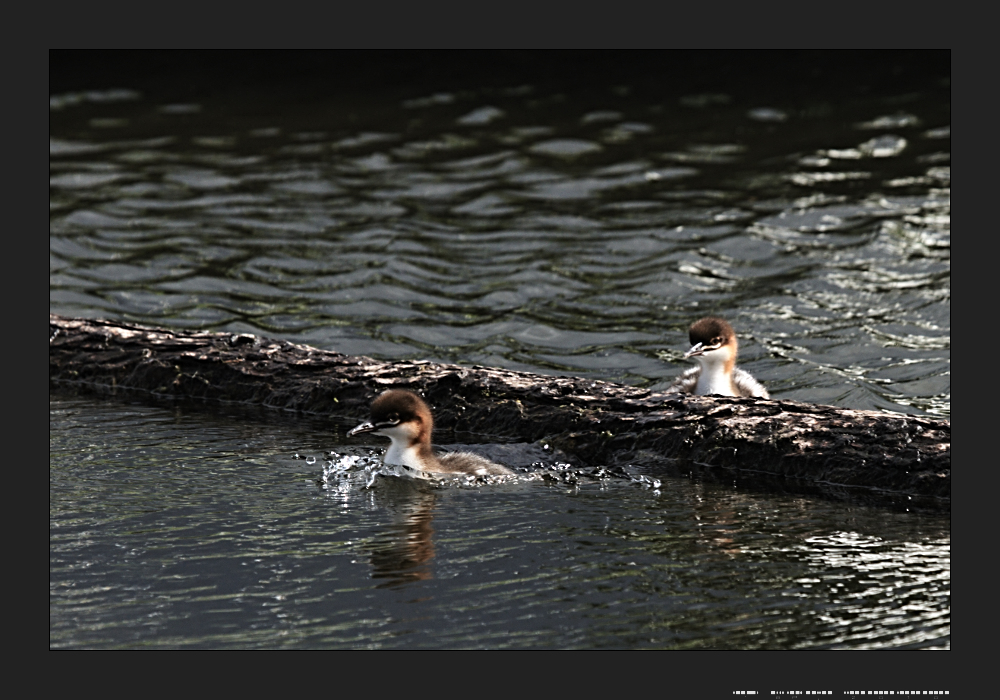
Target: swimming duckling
713, 347
405, 418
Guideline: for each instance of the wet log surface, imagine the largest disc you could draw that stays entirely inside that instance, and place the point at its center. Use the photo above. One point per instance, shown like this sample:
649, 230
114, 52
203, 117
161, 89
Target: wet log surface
786, 446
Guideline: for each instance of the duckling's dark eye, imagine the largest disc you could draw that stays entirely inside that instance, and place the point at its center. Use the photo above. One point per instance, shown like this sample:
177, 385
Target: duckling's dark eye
716, 341
393, 417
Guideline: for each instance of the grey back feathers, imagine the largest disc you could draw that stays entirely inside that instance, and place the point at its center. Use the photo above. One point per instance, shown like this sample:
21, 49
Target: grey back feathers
469, 463
747, 386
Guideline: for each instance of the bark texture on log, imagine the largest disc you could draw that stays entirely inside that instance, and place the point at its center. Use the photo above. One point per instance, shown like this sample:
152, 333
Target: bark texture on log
775, 445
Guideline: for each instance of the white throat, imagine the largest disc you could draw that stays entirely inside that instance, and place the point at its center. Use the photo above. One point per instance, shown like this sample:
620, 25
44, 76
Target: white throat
401, 451
714, 379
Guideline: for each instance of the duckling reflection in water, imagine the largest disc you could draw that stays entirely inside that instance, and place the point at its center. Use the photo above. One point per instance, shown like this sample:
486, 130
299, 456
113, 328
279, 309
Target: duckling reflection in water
713, 347
406, 420
402, 552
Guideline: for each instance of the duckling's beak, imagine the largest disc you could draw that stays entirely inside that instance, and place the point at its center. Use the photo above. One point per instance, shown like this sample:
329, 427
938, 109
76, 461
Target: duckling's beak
365, 427
696, 349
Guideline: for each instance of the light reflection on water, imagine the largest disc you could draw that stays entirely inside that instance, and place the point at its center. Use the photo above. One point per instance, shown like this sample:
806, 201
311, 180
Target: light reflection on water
185, 528
576, 233
540, 228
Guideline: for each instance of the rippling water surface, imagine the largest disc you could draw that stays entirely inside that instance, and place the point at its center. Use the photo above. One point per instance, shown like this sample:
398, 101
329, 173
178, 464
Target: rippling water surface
519, 224
527, 228
181, 528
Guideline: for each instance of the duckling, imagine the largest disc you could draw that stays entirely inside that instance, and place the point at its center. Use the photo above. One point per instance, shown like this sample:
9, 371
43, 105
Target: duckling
713, 347
405, 418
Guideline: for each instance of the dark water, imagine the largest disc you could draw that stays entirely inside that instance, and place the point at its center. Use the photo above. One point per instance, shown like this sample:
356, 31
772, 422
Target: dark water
530, 219
526, 228
173, 528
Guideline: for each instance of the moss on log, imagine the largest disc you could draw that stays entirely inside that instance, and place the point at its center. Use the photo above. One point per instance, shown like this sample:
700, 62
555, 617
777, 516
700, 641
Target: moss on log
775, 445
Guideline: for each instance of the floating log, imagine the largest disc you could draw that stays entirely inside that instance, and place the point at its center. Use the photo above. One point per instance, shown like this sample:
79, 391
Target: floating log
773, 445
